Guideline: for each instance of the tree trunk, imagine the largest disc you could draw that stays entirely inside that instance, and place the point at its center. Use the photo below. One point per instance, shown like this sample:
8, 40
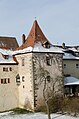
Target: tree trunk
48, 110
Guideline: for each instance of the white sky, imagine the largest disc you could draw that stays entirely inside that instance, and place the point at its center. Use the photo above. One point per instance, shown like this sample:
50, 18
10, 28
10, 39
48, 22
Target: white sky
58, 19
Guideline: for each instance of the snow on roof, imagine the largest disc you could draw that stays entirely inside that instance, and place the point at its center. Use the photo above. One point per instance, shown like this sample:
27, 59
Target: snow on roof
6, 53
9, 60
38, 48
26, 50
73, 49
69, 56
71, 81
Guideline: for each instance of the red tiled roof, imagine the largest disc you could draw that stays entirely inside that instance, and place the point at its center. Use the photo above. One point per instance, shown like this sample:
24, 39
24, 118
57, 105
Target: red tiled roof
35, 35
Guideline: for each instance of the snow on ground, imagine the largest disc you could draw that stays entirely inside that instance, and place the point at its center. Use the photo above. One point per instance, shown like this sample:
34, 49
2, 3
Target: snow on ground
60, 116
10, 115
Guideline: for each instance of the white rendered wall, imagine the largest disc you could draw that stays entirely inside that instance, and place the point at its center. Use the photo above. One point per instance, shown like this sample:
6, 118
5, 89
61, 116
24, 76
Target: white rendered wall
26, 92
8, 91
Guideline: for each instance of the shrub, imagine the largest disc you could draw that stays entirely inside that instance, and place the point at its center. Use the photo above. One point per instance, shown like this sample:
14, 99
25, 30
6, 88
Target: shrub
20, 111
55, 104
71, 105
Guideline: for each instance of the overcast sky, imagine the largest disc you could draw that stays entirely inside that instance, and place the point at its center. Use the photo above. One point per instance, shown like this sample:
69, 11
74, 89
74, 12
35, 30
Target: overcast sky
58, 19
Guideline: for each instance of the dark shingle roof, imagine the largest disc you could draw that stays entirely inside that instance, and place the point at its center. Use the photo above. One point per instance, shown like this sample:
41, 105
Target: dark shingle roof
8, 43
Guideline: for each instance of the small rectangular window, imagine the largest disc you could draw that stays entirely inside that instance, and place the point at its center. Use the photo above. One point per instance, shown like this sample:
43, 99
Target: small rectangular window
48, 78
65, 65
77, 65
5, 81
23, 86
23, 62
1, 80
8, 80
10, 68
23, 78
48, 61
3, 68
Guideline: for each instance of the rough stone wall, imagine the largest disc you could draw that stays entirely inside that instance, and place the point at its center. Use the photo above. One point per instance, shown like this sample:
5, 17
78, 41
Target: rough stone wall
8, 89
31, 89
55, 70
26, 92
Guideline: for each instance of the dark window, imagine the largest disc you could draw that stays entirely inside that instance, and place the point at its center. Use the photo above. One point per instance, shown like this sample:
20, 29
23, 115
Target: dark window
23, 78
64, 65
6, 56
77, 65
48, 61
3, 68
48, 78
1, 80
46, 45
17, 78
5, 81
23, 62
23, 86
8, 80
10, 68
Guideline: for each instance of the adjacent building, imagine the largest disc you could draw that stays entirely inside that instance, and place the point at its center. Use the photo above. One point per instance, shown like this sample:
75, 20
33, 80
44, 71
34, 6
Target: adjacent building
71, 62
71, 71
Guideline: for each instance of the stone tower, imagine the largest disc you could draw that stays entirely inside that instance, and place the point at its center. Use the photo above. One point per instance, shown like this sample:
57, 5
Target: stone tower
36, 56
